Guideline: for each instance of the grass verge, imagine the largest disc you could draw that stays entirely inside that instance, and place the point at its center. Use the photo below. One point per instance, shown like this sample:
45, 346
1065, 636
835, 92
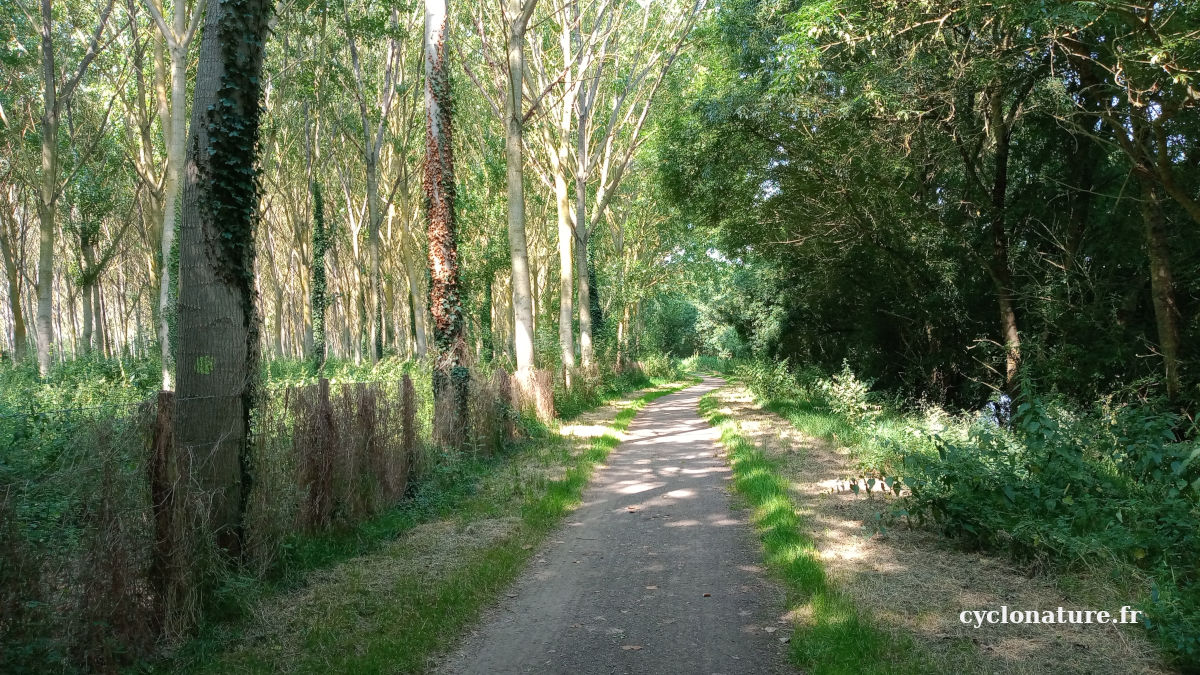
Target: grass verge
832, 635
394, 606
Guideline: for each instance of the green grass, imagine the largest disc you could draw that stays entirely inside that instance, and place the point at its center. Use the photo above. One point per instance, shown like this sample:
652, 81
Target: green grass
367, 615
835, 636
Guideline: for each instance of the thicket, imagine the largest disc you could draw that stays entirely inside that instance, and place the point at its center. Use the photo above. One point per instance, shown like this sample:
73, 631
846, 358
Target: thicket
1114, 485
104, 558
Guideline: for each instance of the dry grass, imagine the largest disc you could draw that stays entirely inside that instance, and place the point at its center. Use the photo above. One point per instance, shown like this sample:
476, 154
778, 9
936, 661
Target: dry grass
427, 553
535, 392
915, 585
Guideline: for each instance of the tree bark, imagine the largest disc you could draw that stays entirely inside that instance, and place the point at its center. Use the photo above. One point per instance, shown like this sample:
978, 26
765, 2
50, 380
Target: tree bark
1162, 287
560, 155
375, 306
586, 356
522, 294
87, 289
566, 281
218, 325
1001, 271
175, 137
47, 195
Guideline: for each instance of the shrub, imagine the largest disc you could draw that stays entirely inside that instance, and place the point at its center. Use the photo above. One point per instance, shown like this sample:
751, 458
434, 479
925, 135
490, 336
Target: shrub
849, 396
660, 366
1059, 484
1067, 485
769, 380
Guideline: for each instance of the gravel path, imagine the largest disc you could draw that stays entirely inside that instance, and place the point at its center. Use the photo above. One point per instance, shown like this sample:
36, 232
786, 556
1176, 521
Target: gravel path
654, 573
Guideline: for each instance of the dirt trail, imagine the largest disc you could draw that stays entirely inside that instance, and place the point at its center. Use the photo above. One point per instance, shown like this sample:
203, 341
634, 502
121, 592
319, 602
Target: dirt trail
654, 573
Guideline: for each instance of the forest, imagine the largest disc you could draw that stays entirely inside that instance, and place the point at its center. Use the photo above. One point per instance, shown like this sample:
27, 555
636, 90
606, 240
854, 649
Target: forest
308, 299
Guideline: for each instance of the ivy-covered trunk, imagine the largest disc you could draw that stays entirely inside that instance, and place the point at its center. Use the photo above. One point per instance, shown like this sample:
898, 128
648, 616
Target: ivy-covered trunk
218, 325
320, 242
445, 302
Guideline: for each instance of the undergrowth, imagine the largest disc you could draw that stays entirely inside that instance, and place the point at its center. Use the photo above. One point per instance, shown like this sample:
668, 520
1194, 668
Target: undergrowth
1042, 480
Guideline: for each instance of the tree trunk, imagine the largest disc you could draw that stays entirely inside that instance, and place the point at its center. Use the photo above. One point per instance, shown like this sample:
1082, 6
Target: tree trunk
586, 350
1001, 272
566, 254
319, 295
175, 135
20, 339
218, 325
417, 300
522, 295
622, 337
103, 344
364, 327
277, 332
1162, 287
566, 236
439, 187
87, 288
487, 347
586, 356
375, 305
47, 196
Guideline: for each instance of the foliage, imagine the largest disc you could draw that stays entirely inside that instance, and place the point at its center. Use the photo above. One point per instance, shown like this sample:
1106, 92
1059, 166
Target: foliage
820, 149
1062, 485
769, 380
849, 396
1074, 486
320, 292
660, 366
588, 393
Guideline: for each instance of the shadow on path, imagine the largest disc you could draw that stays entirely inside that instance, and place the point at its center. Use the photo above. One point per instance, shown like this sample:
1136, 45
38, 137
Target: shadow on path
654, 573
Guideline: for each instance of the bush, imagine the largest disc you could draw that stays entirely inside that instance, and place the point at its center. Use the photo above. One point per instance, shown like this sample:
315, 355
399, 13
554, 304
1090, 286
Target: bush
769, 380
1058, 485
849, 396
591, 391
660, 366
698, 363
1067, 485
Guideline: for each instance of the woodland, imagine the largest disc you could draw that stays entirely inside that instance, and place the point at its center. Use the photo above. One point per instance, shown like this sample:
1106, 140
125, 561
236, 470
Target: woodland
284, 280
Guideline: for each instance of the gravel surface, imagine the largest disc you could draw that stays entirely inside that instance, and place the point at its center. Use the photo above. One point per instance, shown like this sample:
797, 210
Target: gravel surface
654, 573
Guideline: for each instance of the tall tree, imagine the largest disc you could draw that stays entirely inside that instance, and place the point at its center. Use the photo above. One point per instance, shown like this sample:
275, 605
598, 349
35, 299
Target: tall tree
438, 183
56, 98
178, 38
218, 320
373, 137
1136, 64
319, 300
12, 271
625, 71
518, 14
